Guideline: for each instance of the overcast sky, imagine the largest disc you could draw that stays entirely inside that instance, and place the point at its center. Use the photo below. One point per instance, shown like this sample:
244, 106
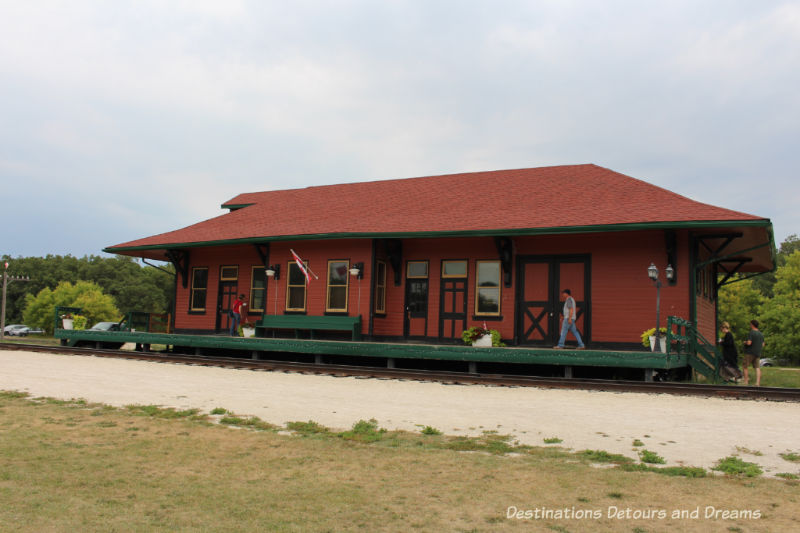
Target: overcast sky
120, 120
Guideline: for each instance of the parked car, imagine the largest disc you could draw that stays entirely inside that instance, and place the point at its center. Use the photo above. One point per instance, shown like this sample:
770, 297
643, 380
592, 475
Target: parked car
768, 361
17, 330
105, 326
35, 331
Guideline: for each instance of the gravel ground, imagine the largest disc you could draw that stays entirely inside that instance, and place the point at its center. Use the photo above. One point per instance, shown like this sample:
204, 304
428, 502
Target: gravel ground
684, 430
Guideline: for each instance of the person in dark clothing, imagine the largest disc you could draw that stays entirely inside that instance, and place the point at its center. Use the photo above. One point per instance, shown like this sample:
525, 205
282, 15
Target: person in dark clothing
730, 356
752, 352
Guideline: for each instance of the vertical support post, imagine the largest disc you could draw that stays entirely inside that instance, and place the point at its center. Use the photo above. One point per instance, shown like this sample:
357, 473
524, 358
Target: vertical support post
648, 374
568, 372
473, 367
390, 362
317, 359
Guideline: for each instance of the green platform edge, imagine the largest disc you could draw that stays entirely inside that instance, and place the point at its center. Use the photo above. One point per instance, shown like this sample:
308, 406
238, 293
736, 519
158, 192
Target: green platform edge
521, 355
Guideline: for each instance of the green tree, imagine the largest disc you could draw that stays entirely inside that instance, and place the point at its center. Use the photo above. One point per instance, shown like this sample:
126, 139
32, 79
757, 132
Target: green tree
780, 317
95, 305
134, 287
738, 304
766, 282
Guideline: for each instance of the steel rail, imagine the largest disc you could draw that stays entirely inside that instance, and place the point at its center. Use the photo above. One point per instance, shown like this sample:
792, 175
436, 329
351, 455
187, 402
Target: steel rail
447, 377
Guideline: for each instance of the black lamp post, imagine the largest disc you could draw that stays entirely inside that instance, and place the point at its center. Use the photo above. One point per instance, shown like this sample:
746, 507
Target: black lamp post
652, 272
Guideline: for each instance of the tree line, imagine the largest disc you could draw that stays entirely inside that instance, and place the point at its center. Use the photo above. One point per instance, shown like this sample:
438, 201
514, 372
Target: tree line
128, 285
773, 299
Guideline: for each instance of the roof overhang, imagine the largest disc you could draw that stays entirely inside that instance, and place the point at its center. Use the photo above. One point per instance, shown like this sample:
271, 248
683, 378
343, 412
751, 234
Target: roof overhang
752, 237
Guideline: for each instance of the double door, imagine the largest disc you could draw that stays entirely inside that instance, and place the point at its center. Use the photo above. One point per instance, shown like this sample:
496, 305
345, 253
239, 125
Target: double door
540, 281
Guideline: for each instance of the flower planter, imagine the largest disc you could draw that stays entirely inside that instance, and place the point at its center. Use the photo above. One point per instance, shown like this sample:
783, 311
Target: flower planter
248, 332
483, 341
67, 323
662, 342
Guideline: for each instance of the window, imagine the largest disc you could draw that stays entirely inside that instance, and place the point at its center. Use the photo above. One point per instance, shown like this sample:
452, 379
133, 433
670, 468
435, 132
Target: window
229, 273
258, 289
454, 269
337, 286
487, 293
295, 289
417, 269
197, 297
380, 287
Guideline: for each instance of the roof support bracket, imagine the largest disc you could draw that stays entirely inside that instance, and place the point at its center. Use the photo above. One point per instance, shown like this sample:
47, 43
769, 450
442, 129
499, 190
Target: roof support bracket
262, 249
729, 272
180, 260
394, 252
505, 249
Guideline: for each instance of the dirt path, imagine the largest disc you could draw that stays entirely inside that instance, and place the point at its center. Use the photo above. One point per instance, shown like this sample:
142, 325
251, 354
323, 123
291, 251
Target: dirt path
683, 430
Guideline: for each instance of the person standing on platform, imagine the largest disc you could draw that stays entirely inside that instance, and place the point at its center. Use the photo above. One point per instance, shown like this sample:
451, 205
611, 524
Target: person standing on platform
236, 314
730, 357
568, 322
752, 352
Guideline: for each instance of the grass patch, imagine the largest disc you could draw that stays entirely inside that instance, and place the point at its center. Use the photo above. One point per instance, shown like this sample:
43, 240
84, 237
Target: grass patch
787, 475
601, 456
250, 422
652, 458
307, 428
219, 411
734, 466
364, 431
748, 451
776, 376
790, 456
164, 412
637, 443
553, 440
428, 430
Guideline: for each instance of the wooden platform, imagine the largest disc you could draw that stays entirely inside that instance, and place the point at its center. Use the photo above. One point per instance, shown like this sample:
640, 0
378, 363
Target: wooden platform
258, 348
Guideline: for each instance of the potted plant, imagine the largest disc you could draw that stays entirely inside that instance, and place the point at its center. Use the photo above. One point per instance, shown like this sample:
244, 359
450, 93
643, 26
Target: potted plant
649, 338
248, 329
67, 321
79, 321
481, 336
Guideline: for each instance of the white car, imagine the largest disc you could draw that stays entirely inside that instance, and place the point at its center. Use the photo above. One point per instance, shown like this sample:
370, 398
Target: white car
16, 329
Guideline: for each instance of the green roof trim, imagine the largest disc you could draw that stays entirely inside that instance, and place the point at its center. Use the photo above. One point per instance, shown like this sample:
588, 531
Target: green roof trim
563, 230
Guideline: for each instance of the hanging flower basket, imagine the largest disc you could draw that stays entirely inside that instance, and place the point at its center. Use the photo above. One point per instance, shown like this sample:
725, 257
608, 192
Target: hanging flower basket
67, 323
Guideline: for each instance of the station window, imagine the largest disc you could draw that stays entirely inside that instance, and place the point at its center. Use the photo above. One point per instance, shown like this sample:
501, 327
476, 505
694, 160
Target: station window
258, 289
454, 269
380, 287
487, 291
337, 286
417, 269
295, 288
229, 273
197, 298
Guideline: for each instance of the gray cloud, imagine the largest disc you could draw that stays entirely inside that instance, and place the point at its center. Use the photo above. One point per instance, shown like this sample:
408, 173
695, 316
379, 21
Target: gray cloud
127, 119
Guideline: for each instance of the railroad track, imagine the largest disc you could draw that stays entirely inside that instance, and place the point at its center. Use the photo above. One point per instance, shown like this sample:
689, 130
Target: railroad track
449, 377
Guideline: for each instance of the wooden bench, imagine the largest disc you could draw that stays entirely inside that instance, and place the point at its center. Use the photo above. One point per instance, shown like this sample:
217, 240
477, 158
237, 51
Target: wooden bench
311, 323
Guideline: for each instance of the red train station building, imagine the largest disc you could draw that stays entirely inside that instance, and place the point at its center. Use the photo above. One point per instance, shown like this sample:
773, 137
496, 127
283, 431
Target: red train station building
432, 256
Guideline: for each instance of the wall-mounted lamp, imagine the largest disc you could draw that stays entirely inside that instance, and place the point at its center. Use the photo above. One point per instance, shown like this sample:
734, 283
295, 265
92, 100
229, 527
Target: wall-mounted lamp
274, 271
357, 270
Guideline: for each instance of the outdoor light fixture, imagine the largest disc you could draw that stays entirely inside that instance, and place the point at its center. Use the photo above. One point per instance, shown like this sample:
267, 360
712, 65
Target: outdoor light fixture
273, 271
652, 273
357, 270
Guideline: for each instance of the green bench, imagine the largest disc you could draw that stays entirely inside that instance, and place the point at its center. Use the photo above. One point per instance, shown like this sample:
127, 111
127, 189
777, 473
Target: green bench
311, 323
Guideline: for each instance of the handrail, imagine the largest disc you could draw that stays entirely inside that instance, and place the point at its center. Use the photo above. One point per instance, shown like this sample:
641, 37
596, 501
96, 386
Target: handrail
702, 354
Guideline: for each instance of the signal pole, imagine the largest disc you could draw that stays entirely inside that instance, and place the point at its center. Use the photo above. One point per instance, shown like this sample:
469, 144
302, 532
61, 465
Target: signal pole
6, 279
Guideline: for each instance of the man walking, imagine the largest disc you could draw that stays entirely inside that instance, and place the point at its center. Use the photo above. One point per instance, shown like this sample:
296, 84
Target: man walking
752, 352
568, 322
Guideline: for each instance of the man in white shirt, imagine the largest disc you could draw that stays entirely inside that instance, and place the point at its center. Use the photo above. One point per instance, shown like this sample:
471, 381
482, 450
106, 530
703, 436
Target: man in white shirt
568, 322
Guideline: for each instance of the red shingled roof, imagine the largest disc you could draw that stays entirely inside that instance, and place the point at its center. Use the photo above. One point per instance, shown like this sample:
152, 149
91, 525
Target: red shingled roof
533, 198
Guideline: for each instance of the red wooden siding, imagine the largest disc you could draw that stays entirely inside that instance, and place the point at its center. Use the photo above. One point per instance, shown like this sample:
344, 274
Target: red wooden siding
623, 299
